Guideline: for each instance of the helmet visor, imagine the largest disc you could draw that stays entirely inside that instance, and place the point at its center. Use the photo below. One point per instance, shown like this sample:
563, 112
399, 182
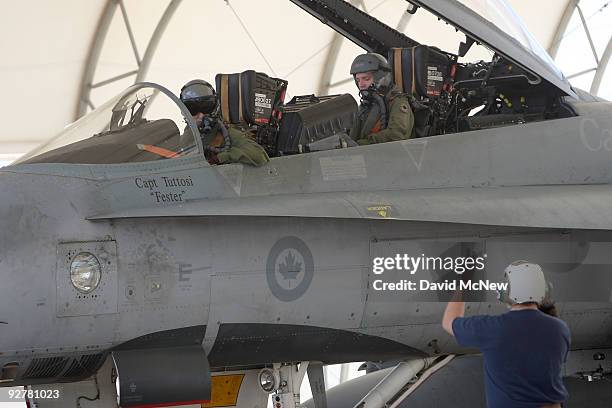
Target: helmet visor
205, 105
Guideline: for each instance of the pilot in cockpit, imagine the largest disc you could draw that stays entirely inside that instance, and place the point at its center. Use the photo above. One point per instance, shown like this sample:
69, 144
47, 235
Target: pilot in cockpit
384, 112
222, 143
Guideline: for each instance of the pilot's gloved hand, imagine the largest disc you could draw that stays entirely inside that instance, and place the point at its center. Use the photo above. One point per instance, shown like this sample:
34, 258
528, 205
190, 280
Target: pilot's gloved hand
213, 159
362, 142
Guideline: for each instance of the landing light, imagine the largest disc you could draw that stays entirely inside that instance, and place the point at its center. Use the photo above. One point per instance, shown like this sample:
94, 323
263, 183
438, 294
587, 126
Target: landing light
85, 272
268, 380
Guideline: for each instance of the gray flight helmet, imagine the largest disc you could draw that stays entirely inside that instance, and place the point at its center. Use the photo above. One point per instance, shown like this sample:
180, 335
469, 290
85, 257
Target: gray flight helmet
378, 65
199, 96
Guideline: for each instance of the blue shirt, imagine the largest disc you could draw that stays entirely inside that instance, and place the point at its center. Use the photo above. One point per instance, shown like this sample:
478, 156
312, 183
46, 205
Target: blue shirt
524, 351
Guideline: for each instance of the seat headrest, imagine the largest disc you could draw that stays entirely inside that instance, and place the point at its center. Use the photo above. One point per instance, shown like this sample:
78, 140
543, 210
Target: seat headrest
249, 97
421, 71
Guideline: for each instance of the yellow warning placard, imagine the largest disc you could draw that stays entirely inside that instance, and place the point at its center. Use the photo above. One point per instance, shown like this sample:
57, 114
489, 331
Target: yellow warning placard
224, 390
382, 210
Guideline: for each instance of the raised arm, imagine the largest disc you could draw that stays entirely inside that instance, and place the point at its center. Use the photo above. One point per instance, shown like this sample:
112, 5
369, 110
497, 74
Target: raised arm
455, 308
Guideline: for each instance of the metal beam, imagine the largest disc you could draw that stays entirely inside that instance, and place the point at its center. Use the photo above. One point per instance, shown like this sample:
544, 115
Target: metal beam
104, 23
155, 38
93, 57
588, 33
602, 63
113, 79
329, 65
562, 27
601, 68
577, 74
129, 31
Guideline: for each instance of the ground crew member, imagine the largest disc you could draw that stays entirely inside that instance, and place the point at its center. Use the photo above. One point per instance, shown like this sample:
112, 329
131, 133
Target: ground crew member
222, 143
523, 349
384, 112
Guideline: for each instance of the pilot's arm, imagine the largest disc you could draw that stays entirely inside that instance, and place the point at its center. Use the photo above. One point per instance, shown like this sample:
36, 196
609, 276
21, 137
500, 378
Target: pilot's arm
243, 150
400, 124
454, 309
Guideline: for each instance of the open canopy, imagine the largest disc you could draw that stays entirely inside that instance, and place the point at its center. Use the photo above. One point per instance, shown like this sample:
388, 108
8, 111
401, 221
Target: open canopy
494, 23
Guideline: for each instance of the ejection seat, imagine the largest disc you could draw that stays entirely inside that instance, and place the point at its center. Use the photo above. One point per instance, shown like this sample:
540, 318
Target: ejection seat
252, 100
422, 72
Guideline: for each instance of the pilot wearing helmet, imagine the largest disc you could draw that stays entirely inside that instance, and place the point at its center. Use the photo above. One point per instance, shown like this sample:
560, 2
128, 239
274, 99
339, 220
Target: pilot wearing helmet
222, 143
524, 349
384, 112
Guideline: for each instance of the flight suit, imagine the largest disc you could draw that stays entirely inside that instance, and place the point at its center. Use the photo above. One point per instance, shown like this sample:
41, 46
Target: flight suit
400, 121
243, 150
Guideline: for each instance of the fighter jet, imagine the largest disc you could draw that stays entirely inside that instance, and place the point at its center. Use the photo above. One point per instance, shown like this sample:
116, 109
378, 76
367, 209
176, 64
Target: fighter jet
121, 243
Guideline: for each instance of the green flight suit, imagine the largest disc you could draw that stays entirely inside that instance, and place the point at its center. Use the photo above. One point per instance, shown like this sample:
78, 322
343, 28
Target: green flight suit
243, 150
400, 121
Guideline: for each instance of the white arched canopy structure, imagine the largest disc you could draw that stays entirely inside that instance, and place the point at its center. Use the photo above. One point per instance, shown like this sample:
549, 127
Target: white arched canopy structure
62, 58
584, 29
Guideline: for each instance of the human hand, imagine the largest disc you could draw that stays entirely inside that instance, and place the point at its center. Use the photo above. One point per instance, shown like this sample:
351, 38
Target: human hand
213, 159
